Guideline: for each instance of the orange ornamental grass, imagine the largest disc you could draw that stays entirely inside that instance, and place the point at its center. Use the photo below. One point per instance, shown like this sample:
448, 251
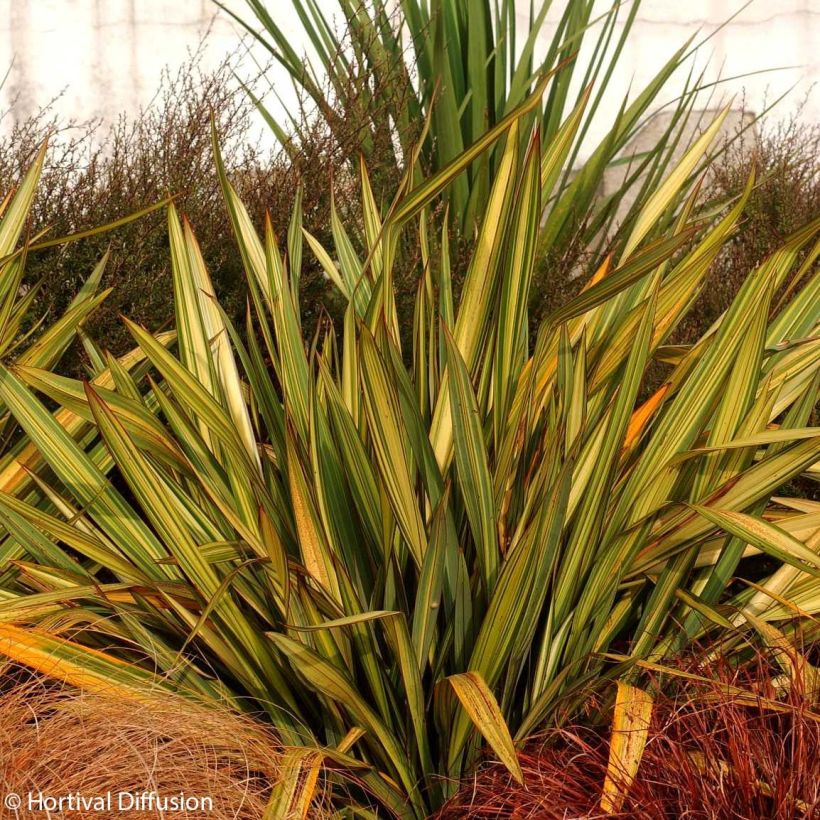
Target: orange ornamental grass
716, 749
60, 742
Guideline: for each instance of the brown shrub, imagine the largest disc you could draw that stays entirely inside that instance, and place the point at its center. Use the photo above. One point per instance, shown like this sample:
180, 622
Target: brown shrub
93, 176
59, 741
785, 156
709, 755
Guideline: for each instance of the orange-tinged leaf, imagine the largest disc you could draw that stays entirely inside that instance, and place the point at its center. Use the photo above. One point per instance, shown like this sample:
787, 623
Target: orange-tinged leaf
292, 797
307, 529
630, 726
642, 415
482, 707
600, 273
75, 664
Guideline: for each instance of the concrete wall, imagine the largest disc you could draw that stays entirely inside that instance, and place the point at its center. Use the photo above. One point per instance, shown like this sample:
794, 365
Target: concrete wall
106, 56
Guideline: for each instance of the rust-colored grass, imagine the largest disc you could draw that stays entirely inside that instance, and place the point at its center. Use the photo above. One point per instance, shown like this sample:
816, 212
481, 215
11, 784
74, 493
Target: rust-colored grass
711, 755
60, 741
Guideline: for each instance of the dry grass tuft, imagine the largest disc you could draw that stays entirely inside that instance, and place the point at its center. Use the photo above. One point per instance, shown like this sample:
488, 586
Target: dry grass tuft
59, 741
709, 756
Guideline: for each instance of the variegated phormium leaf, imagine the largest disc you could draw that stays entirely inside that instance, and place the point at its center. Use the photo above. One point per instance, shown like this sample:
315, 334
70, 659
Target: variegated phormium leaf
403, 556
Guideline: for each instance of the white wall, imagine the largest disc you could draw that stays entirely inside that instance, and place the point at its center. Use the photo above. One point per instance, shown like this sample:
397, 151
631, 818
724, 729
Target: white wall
106, 56
769, 34
103, 56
